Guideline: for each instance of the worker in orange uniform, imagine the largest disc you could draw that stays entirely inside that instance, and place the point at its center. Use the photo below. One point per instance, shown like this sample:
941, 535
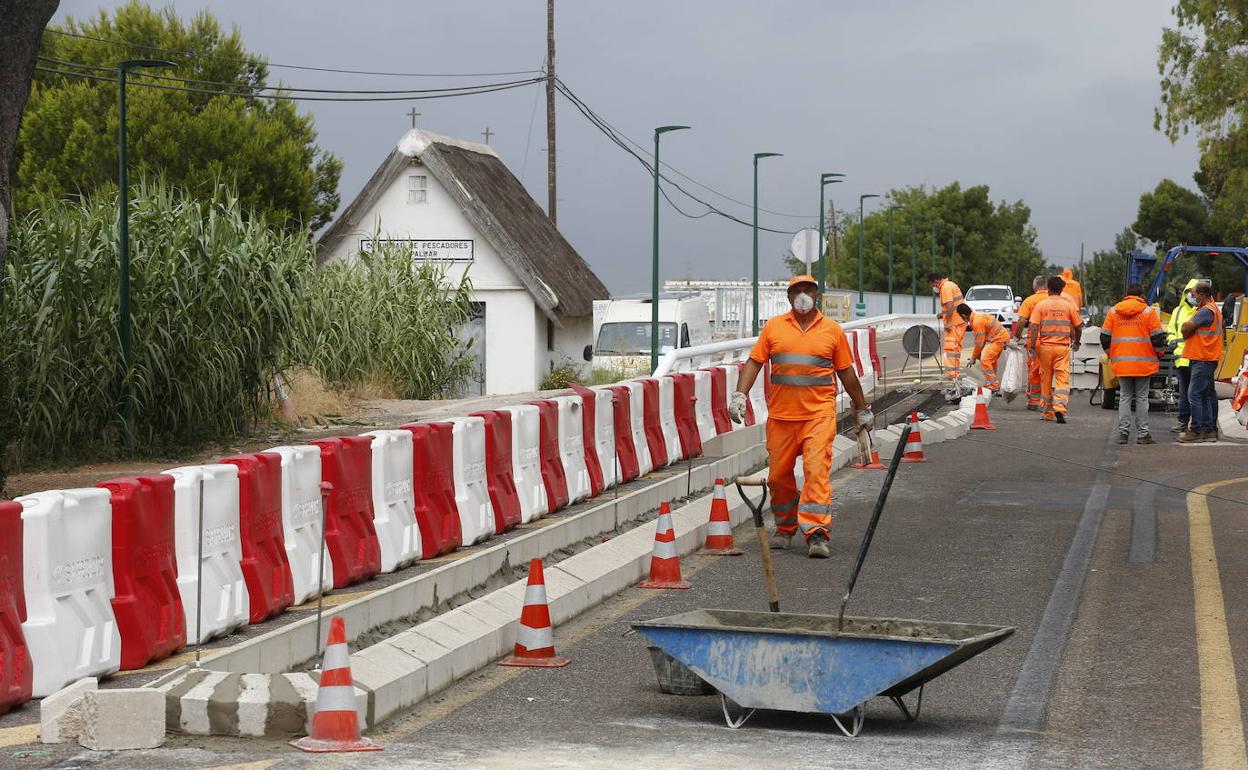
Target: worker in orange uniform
1202, 347
808, 353
1038, 292
950, 297
990, 339
1055, 328
1131, 335
1073, 289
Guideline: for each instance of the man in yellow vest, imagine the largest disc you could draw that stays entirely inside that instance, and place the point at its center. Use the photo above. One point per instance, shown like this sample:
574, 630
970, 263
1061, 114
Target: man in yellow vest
1202, 346
1181, 314
1131, 335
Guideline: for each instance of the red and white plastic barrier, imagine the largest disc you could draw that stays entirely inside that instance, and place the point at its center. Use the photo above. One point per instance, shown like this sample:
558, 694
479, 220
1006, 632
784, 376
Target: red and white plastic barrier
15, 665
667, 420
394, 502
347, 464
526, 460
572, 447
264, 562
704, 405
433, 477
472, 491
301, 520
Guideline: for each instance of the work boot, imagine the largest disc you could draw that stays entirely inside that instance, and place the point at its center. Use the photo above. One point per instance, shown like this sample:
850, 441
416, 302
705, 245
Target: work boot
1178, 427
1061, 417
1209, 438
1190, 437
1033, 407
817, 546
1122, 438
778, 541
1145, 439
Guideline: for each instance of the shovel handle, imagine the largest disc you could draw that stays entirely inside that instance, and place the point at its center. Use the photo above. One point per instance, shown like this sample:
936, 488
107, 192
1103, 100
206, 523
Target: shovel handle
875, 519
760, 529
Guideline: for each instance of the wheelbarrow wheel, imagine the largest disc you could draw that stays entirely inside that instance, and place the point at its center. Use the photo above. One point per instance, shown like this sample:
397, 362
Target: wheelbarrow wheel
855, 718
734, 723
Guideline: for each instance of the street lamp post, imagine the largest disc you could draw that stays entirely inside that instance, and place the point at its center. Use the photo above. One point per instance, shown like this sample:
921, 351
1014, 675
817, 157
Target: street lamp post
914, 268
757, 156
860, 310
824, 180
935, 227
123, 244
654, 266
891, 208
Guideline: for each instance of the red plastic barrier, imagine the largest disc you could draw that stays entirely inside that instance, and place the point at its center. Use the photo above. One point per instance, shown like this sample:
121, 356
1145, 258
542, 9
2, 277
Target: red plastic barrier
146, 601
433, 478
503, 495
589, 412
16, 670
625, 451
683, 398
749, 402
719, 400
852, 336
347, 463
553, 478
266, 569
654, 428
875, 354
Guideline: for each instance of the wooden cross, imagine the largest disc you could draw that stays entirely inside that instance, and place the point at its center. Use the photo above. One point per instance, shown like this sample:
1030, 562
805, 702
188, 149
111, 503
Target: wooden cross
413, 115
487, 134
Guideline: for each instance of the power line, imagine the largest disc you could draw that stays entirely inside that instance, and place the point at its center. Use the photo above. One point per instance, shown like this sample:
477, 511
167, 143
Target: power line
197, 55
465, 91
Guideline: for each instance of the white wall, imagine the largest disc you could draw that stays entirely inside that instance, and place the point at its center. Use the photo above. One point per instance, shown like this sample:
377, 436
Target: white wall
510, 346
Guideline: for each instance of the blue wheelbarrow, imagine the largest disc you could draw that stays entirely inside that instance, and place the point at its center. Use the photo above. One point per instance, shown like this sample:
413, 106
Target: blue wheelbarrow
818, 664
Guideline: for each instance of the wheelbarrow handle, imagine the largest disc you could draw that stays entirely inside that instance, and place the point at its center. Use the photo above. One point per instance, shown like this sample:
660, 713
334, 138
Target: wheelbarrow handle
760, 529
875, 519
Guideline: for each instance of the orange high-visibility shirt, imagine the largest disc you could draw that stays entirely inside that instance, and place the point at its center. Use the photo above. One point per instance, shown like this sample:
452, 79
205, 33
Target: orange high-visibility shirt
950, 298
1029, 304
803, 365
1054, 321
1074, 291
1130, 325
987, 329
1206, 343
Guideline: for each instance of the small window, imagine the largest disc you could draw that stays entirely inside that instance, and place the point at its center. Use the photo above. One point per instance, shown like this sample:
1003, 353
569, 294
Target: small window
550, 334
684, 335
417, 188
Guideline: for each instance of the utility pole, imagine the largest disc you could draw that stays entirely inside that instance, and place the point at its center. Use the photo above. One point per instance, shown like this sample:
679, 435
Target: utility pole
550, 110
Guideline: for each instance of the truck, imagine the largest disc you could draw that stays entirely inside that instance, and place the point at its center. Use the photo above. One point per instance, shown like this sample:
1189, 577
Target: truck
622, 333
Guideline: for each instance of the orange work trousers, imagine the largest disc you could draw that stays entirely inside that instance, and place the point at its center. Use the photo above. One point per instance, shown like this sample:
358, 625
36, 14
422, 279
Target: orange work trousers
1054, 378
988, 358
953, 349
1033, 377
812, 439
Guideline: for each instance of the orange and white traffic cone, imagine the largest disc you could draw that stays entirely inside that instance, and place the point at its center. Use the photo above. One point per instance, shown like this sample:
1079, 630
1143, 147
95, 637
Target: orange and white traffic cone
665, 562
875, 464
535, 641
981, 421
335, 724
719, 540
914, 444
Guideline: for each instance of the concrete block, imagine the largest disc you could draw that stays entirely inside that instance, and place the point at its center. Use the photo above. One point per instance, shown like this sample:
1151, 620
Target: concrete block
955, 427
461, 650
934, 432
486, 636
503, 622
437, 658
886, 441
566, 594
122, 719
60, 714
393, 679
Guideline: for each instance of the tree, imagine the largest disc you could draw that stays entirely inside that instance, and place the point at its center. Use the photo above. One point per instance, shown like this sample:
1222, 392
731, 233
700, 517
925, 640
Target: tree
1172, 214
1104, 276
263, 148
1203, 62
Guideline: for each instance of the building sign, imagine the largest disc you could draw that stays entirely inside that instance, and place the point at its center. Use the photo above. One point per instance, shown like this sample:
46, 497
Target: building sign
425, 250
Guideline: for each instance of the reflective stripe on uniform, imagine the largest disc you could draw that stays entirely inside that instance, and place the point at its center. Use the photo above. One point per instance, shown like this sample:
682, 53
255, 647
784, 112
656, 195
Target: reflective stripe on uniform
1116, 359
800, 359
803, 380
1210, 332
1131, 339
815, 508
1055, 322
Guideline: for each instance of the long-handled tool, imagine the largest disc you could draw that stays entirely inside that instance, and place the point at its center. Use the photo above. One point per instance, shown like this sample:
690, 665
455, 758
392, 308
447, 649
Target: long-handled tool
875, 519
769, 574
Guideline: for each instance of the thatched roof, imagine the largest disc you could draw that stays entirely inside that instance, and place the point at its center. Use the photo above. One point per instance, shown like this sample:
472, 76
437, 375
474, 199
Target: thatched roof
499, 207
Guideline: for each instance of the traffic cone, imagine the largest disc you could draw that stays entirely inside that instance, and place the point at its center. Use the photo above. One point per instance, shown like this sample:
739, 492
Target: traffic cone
335, 724
535, 641
719, 532
875, 464
665, 562
914, 443
981, 412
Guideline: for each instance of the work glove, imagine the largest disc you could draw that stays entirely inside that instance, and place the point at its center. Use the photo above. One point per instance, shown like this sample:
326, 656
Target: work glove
865, 419
736, 407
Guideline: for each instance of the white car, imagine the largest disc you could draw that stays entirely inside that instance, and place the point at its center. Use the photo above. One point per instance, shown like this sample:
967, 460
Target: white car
994, 299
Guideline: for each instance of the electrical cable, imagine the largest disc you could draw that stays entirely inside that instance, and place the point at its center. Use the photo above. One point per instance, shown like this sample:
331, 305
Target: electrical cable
195, 55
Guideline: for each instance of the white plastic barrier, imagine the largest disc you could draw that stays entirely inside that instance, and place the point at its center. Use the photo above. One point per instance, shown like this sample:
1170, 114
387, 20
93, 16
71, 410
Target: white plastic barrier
394, 500
637, 415
226, 601
472, 492
301, 519
732, 376
860, 342
67, 554
572, 447
526, 461
758, 397
604, 436
703, 406
667, 420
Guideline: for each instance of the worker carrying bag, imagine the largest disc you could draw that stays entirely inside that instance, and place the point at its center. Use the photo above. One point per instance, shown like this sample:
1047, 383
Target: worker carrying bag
1013, 371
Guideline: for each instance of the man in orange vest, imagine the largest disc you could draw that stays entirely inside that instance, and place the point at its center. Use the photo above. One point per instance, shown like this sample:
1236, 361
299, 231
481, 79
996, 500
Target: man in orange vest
950, 297
1055, 329
1073, 289
1131, 335
990, 339
808, 354
1038, 292
1202, 346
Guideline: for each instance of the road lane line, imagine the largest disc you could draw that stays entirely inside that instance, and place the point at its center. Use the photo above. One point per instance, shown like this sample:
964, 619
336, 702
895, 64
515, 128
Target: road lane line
1222, 731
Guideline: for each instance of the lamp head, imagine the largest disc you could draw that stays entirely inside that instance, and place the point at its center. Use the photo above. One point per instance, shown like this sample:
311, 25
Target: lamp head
665, 129
758, 155
130, 64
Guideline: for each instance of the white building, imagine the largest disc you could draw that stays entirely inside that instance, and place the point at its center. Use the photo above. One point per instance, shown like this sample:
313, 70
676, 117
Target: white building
456, 202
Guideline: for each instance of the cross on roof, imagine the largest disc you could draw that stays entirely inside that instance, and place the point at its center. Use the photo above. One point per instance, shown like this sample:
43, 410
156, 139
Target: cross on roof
487, 133
413, 115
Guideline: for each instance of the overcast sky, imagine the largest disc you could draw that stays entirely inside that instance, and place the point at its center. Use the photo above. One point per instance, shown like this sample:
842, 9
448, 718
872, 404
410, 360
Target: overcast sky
1051, 103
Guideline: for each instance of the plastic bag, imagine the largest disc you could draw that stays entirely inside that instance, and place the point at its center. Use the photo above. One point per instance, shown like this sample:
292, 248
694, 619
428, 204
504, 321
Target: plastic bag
1013, 372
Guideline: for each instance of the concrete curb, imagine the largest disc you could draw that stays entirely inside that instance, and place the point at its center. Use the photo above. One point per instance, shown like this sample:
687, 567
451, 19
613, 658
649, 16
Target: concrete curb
1228, 423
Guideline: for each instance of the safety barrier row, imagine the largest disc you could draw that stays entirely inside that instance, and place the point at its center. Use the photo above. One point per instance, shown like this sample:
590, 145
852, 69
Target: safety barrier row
117, 576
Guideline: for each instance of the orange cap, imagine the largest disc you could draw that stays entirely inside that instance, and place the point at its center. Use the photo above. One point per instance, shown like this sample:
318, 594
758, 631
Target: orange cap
795, 280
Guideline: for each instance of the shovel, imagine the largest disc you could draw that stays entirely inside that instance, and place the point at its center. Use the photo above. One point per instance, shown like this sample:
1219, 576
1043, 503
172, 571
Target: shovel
756, 508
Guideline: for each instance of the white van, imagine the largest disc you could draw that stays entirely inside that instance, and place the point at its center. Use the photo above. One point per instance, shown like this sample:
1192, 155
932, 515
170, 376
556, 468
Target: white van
622, 337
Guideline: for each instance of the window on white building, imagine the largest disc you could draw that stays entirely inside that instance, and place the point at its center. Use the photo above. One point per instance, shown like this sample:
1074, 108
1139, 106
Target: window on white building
417, 188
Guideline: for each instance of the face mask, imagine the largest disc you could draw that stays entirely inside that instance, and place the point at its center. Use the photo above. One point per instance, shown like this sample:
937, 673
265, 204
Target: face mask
1191, 301
803, 303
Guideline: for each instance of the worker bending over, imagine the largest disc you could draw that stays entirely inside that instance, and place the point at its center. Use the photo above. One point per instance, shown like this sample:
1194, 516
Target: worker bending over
1131, 335
1181, 314
990, 339
1055, 328
808, 353
1038, 292
1202, 346
950, 296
